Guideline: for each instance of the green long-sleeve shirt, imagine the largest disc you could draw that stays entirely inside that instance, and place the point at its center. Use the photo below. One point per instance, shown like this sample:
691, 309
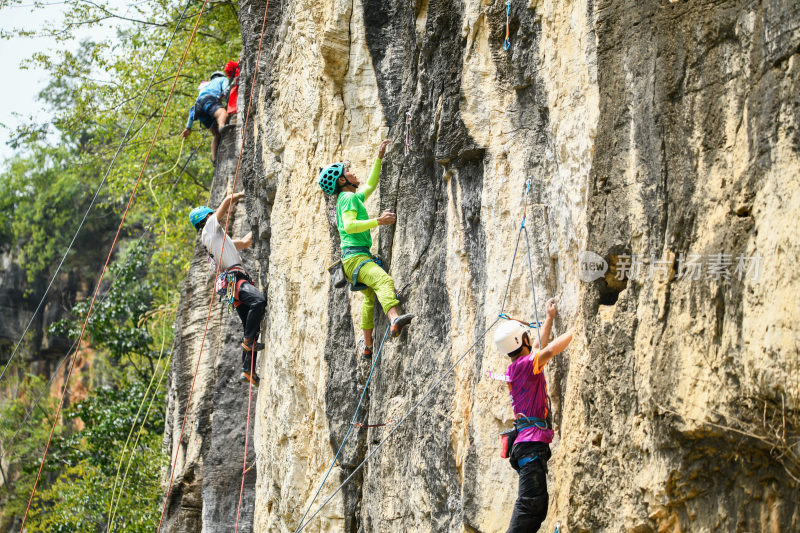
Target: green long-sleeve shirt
352, 219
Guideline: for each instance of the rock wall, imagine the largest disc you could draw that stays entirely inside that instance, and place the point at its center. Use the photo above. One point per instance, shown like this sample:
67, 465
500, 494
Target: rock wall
210, 453
648, 133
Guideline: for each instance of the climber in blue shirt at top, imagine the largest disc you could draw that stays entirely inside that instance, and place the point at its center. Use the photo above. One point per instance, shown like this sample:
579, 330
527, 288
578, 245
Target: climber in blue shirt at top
210, 108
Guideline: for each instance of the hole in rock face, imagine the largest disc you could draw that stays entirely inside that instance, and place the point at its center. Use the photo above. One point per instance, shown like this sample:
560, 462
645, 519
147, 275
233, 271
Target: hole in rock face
616, 277
609, 297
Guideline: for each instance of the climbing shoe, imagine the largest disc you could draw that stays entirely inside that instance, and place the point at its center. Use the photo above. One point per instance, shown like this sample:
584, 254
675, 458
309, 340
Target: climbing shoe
399, 323
366, 351
253, 378
249, 347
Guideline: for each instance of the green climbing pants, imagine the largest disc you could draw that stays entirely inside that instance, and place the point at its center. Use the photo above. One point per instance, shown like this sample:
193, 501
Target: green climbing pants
379, 283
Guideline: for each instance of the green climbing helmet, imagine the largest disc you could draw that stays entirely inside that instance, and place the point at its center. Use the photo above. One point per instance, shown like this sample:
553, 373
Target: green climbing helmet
329, 175
199, 214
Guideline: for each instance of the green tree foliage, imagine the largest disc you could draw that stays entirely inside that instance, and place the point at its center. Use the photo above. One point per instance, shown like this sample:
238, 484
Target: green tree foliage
45, 189
80, 498
24, 427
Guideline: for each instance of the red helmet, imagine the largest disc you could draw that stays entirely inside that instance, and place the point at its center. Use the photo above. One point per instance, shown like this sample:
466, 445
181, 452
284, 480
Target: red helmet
231, 67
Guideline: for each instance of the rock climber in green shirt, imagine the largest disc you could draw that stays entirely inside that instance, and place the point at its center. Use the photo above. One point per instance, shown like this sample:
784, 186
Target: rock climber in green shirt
354, 227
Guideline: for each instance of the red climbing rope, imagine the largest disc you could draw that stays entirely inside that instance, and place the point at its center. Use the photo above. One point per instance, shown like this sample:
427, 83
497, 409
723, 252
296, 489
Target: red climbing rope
246, 433
211, 303
105, 266
253, 356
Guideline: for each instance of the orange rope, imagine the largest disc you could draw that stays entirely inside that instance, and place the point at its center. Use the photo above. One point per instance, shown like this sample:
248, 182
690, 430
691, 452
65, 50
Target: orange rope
105, 266
246, 433
211, 303
253, 356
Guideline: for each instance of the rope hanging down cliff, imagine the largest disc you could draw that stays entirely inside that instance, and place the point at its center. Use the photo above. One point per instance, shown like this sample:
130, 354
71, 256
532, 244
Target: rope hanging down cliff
349, 429
500, 316
99, 188
213, 294
112, 507
103, 298
108, 258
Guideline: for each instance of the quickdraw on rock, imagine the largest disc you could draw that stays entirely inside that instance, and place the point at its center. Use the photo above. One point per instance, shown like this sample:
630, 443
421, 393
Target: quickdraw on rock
408, 131
507, 42
387, 423
532, 325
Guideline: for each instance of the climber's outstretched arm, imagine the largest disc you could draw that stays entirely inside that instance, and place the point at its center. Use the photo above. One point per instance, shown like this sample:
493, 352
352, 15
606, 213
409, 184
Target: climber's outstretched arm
222, 210
244, 242
374, 176
548, 324
555, 348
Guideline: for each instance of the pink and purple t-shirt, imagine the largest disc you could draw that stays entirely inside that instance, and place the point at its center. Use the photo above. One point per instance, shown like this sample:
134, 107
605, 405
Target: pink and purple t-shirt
528, 389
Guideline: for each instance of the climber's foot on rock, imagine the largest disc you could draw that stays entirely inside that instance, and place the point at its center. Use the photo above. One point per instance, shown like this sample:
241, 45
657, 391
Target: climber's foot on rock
248, 346
399, 323
366, 351
247, 377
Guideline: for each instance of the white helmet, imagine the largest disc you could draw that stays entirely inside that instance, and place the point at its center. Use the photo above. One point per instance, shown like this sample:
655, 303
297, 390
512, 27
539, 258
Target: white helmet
508, 336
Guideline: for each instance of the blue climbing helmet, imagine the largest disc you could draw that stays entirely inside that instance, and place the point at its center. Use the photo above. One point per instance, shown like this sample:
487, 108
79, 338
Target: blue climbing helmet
329, 175
199, 214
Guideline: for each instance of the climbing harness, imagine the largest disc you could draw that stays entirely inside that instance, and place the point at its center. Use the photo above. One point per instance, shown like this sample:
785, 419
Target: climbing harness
108, 259
228, 285
355, 286
508, 437
408, 132
507, 41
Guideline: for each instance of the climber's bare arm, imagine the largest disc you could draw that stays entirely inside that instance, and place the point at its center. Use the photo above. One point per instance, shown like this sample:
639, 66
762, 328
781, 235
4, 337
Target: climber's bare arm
548, 324
244, 242
222, 210
554, 348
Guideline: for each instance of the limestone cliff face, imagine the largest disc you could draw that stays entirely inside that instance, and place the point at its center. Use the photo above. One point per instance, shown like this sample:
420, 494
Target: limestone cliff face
650, 133
210, 453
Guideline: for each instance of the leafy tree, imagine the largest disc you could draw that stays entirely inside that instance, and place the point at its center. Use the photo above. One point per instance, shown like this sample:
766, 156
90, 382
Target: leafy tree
45, 189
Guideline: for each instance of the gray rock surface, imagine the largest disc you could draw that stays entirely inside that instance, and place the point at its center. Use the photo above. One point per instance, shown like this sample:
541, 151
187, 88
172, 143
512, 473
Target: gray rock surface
208, 475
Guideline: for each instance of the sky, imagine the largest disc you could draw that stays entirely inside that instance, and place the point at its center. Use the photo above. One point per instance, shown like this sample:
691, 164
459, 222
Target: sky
20, 96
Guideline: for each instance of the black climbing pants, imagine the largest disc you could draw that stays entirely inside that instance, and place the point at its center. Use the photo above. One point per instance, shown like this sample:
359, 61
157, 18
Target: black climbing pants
251, 311
530, 509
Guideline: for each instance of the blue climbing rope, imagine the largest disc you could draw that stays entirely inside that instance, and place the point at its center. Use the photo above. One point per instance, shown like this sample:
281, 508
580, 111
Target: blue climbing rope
349, 429
533, 289
397, 426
